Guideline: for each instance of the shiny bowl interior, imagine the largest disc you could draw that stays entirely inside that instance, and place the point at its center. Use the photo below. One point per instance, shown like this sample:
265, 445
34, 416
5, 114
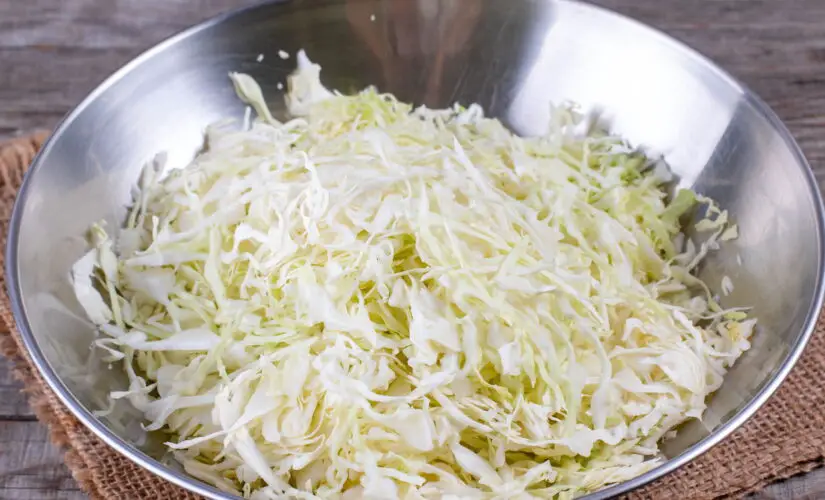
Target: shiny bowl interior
513, 58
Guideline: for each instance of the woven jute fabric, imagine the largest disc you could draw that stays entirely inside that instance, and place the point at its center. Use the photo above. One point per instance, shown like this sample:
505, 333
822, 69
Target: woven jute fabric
785, 437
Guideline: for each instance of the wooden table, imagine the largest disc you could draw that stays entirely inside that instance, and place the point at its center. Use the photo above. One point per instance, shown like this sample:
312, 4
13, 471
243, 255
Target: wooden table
52, 52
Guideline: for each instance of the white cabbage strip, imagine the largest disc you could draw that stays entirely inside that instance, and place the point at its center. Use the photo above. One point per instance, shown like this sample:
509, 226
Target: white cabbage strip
370, 301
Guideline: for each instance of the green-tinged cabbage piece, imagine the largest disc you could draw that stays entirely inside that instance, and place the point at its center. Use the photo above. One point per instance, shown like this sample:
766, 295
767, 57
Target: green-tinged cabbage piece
370, 301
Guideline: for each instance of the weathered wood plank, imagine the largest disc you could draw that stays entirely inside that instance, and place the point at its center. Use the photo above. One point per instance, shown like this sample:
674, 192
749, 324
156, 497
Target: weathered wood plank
34, 97
104, 25
13, 404
30, 467
54, 52
810, 486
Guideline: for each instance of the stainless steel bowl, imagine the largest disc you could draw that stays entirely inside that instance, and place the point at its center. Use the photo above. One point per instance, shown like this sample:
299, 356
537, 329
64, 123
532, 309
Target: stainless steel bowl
513, 57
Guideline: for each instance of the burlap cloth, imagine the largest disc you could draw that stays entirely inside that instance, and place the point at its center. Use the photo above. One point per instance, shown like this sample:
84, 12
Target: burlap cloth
786, 437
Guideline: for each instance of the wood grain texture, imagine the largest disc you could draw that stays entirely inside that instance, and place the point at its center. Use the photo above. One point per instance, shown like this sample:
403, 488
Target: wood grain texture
30, 467
13, 405
53, 52
804, 487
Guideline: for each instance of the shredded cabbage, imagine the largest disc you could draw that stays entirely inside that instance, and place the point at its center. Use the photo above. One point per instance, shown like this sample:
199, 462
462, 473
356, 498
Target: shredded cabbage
373, 301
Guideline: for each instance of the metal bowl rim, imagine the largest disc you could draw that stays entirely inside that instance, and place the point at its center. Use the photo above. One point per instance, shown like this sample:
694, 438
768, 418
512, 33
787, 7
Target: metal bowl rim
199, 487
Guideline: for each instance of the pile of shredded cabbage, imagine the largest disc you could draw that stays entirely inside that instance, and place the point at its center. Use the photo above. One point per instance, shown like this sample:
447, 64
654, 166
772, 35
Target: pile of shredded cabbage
370, 301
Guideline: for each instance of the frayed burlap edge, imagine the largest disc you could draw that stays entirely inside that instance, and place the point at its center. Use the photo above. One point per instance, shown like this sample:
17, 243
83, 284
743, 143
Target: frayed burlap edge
785, 438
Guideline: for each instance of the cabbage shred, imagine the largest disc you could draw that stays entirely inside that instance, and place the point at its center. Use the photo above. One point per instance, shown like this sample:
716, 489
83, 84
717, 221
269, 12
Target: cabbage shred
372, 301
